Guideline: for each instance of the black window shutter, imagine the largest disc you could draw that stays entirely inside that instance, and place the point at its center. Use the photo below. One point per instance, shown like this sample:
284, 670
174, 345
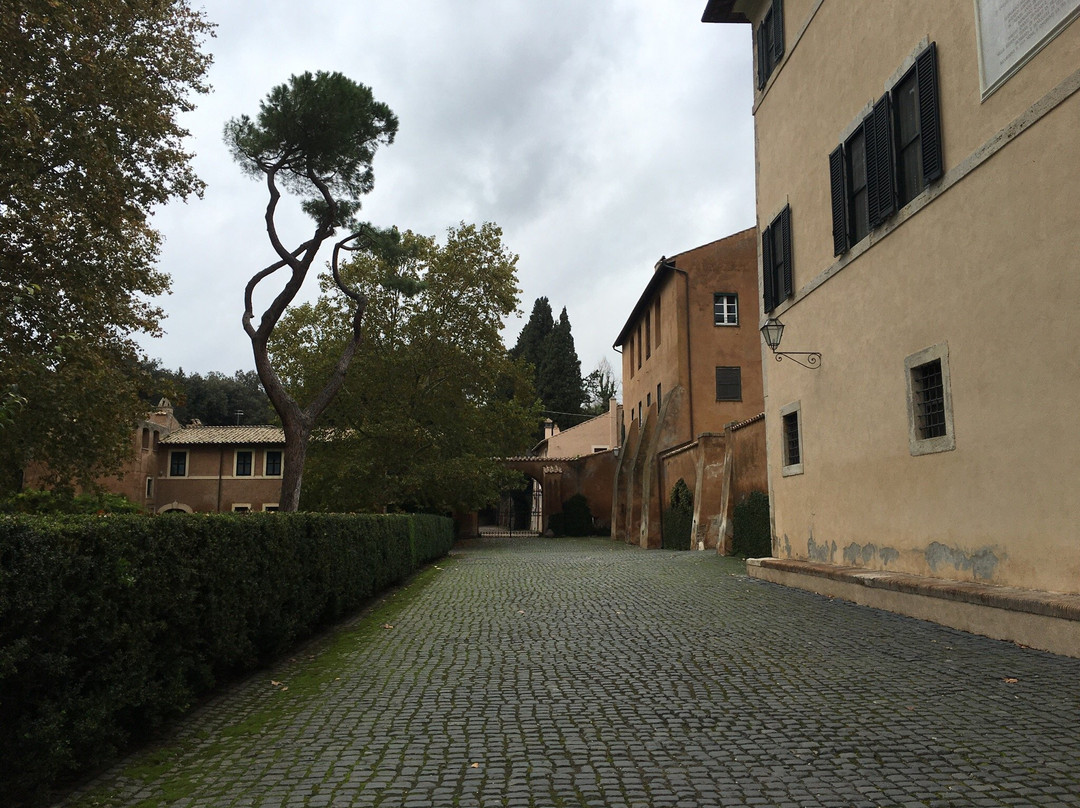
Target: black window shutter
929, 114
880, 183
762, 56
786, 282
729, 384
768, 284
839, 201
778, 31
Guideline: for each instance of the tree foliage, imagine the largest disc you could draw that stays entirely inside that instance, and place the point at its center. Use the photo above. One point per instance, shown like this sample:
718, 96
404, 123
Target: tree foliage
89, 145
601, 386
548, 345
216, 399
421, 412
314, 136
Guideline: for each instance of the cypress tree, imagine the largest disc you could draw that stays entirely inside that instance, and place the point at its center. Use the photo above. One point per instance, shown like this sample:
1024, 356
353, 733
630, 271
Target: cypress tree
558, 381
530, 343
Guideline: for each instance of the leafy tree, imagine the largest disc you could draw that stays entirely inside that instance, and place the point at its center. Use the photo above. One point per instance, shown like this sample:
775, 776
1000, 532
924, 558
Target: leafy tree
214, 399
559, 375
530, 342
315, 136
548, 346
89, 145
217, 399
600, 387
420, 414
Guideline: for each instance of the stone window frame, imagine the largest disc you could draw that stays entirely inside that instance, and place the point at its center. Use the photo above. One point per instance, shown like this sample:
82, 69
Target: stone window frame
792, 469
943, 443
281, 463
173, 464
251, 462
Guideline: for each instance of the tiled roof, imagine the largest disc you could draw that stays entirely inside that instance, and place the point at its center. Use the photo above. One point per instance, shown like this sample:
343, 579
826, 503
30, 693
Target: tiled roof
236, 435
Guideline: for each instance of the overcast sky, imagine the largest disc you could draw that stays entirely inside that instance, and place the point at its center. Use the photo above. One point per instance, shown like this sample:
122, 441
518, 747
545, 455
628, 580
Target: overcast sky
598, 134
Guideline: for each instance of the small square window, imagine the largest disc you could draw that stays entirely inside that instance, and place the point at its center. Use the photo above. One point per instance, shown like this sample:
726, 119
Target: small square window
929, 401
729, 384
243, 464
241, 508
791, 439
273, 463
725, 309
178, 464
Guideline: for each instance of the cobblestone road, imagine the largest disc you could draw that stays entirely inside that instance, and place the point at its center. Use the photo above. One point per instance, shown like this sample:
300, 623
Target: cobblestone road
587, 673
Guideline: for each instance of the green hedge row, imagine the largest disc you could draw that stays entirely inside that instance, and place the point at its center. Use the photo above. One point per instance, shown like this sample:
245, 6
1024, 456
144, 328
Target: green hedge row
575, 519
111, 625
751, 530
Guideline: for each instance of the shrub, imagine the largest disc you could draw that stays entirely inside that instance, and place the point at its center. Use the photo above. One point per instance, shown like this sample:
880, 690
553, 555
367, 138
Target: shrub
575, 520
678, 519
53, 502
751, 532
111, 625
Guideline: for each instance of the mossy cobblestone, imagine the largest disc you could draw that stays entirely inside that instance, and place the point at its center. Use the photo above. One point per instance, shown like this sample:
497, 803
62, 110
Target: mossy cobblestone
539, 673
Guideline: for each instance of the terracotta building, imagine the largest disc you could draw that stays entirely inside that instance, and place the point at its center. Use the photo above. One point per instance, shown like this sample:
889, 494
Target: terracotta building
200, 469
220, 468
918, 181
691, 368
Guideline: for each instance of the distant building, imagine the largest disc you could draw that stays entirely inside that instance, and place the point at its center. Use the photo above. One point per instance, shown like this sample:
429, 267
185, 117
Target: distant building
918, 182
220, 468
199, 469
691, 368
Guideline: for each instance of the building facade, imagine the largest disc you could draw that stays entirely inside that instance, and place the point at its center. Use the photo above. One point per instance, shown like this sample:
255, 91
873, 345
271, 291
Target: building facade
200, 469
917, 190
214, 469
691, 366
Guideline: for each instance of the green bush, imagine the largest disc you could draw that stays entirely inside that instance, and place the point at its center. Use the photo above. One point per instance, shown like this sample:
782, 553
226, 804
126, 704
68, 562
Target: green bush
53, 502
751, 532
575, 520
111, 625
678, 519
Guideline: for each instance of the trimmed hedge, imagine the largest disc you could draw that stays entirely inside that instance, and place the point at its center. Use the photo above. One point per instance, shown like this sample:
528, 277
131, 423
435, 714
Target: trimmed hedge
110, 626
751, 532
576, 518
677, 521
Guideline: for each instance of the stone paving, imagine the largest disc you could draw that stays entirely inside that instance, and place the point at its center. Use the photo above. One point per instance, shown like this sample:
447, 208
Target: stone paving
544, 672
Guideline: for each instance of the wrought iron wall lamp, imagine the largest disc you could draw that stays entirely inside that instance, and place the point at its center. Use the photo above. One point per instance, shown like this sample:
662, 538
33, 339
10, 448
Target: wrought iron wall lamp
772, 331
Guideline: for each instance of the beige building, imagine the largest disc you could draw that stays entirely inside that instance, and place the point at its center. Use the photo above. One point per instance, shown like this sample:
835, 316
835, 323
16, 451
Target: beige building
691, 367
597, 434
918, 182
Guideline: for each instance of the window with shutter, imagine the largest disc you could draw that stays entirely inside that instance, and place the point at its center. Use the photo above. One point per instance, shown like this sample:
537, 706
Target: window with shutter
729, 384
889, 158
776, 265
770, 42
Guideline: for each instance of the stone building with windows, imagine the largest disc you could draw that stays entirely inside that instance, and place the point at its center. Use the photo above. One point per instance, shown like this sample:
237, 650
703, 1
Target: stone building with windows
691, 368
211, 469
918, 181
197, 468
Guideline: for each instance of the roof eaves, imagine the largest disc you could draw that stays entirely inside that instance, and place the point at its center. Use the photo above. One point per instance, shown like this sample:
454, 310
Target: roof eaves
664, 268
723, 11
